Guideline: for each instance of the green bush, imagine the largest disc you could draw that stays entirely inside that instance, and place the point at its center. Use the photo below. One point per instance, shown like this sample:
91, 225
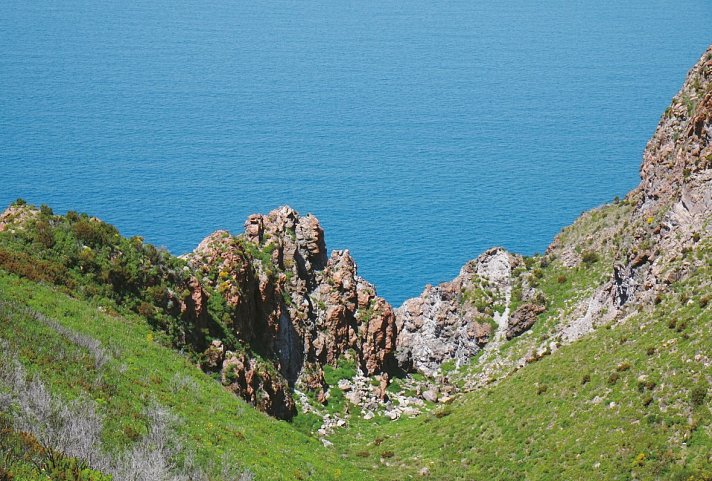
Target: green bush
61, 468
443, 412
622, 367
46, 211
589, 257
698, 394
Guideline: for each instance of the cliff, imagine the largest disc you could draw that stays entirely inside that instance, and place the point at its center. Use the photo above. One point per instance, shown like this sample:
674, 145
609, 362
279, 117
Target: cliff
294, 304
625, 256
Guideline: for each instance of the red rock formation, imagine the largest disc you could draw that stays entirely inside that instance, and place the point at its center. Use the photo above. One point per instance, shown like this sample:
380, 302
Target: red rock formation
267, 391
523, 319
292, 305
194, 306
378, 337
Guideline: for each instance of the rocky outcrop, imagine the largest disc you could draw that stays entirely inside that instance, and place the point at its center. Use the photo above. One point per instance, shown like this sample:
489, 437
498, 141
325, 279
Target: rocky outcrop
254, 382
523, 319
657, 224
290, 303
350, 316
679, 151
454, 320
673, 204
226, 265
16, 216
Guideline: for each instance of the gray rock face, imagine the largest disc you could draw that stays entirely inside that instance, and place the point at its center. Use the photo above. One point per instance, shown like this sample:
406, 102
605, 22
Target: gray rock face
454, 320
671, 211
673, 204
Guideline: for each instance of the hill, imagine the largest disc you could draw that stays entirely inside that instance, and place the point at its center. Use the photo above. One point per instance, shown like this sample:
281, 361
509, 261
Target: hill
591, 360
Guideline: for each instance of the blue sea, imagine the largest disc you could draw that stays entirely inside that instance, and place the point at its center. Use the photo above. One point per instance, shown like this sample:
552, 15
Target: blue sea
419, 132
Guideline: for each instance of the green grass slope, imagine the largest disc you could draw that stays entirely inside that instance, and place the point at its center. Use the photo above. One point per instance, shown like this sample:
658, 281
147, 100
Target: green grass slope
630, 401
139, 372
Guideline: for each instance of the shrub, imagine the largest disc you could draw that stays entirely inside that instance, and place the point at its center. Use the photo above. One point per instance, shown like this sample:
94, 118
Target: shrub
6, 475
653, 419
542, 389
46, 210
387, 454
146, 310
613, 378
561, 279
698, 394
43, 234
69, 434
94, 233
589, 257
646, 384
585, 379
61, 468
622, 367
34, 269
441, 413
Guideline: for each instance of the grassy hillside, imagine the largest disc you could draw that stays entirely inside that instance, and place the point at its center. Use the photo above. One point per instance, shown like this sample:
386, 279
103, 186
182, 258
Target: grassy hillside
92, 328
629, 401
128, 371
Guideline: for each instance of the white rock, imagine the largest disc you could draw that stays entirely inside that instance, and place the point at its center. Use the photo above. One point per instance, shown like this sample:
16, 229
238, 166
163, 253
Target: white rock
431, 395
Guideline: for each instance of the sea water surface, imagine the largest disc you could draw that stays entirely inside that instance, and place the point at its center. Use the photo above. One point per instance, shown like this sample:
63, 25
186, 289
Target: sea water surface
419, 132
